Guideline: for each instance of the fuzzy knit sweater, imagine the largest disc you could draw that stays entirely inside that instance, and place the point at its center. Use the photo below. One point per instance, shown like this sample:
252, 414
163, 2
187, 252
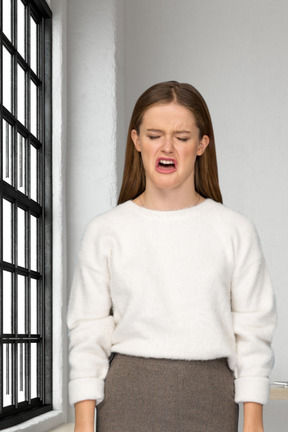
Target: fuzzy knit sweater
185, 284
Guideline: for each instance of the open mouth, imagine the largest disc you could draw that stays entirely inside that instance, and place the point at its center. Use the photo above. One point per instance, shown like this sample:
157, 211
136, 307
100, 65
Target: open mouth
166, 165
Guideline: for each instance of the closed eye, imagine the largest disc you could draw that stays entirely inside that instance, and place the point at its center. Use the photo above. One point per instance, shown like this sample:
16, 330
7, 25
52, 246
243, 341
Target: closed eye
182, 139
153, 137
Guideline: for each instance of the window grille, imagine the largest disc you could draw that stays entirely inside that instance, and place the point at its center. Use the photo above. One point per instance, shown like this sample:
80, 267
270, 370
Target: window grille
25, 209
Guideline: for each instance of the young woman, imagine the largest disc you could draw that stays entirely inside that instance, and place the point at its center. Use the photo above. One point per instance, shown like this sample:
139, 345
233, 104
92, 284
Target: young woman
174, 285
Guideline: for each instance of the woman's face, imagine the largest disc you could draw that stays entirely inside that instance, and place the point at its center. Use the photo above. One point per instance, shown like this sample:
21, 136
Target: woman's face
169, 143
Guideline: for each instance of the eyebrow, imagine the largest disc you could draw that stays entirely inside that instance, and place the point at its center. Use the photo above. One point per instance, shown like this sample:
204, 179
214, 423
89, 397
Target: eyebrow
176, 132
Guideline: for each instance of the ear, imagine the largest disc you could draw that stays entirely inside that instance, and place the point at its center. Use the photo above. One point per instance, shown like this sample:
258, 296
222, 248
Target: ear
136, 140
202, 145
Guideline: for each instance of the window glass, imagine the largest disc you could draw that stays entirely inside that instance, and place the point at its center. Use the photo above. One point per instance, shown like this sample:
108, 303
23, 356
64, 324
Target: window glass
21, 243
21, 372
21, 163
21, 304
33, 44
33, 307
33, 108
7, 231
33, 172
33, 243
7, 152
7, 374
33, 366
6, 20
21, 94
7, 81
7, 300
21, 28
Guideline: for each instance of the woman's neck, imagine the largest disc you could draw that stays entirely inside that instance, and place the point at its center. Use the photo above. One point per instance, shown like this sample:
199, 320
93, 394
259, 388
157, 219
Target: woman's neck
168, 200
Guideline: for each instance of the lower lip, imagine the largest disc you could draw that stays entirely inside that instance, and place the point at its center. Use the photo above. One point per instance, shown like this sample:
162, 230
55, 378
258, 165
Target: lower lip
165, 170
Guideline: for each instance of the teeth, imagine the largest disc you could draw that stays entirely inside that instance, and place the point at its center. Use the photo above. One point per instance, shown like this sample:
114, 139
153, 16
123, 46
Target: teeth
165, 162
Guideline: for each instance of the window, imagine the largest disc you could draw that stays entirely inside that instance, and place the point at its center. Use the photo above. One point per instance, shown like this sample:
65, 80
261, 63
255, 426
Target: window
26, 209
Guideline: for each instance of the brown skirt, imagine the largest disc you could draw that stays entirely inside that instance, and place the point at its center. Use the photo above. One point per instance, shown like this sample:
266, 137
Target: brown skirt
160, 395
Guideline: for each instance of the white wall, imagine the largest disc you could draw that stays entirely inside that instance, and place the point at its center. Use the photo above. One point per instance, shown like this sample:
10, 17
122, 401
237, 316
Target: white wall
91, 178
235, 53
91, 149
59, 139
120, 90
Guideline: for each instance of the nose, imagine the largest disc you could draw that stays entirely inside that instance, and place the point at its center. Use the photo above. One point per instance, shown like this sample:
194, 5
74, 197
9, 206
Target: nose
168, 145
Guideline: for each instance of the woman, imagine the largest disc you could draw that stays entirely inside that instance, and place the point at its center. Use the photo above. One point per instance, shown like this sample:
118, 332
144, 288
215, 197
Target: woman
172, 283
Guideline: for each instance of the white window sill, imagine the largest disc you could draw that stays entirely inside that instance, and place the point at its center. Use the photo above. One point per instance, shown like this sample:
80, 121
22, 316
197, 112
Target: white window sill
278, 393
69, 427
40, 423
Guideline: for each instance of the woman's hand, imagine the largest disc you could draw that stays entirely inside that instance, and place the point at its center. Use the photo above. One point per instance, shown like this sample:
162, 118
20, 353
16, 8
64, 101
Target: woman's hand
253, 417
84, 416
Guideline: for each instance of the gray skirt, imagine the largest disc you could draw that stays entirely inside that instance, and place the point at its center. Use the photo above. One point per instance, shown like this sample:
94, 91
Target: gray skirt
161, 395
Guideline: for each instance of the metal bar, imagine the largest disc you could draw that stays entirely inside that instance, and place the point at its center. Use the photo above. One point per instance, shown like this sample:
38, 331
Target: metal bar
14, 373
27, 77
28, 359
1, 173
9, 191
15, 346
8, 44
27, 372
14, 20
13, 286
20, 270
14, 67
14, 308
14, 80
20, 60
47, 221
20, 140
21, 367
15, 245
1, 228
28, 328
7, 175
22, 338
20, 128
1, 14
43, 7
28, 34
7, 370
1, 307
1, 378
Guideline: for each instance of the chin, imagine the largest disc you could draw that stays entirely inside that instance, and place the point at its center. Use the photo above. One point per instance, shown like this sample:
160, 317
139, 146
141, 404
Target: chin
166, 185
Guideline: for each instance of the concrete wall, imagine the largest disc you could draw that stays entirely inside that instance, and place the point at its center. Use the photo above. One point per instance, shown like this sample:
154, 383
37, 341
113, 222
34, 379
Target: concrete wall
234, 52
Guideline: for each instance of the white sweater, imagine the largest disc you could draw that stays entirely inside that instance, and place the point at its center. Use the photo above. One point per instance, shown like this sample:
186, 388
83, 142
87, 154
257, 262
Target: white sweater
185, 284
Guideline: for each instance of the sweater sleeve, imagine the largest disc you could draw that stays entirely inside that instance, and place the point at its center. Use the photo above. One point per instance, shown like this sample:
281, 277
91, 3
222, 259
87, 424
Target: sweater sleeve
254, 320
89, 321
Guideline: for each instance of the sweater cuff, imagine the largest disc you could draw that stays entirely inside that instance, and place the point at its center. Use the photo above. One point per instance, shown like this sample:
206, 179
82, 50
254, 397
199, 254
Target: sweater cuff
86, 388
252, 389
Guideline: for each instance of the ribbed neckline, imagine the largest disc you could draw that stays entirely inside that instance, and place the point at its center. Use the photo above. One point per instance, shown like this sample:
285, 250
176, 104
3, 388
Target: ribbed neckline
168, 213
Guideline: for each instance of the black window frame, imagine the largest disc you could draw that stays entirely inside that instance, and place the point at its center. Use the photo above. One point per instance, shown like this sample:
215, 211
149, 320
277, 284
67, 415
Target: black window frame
42, 209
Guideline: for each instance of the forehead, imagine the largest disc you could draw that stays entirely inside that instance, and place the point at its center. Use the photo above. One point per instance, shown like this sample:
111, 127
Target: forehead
169, 115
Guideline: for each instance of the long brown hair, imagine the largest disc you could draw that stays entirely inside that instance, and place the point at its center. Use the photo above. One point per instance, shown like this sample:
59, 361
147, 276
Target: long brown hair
206, 171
